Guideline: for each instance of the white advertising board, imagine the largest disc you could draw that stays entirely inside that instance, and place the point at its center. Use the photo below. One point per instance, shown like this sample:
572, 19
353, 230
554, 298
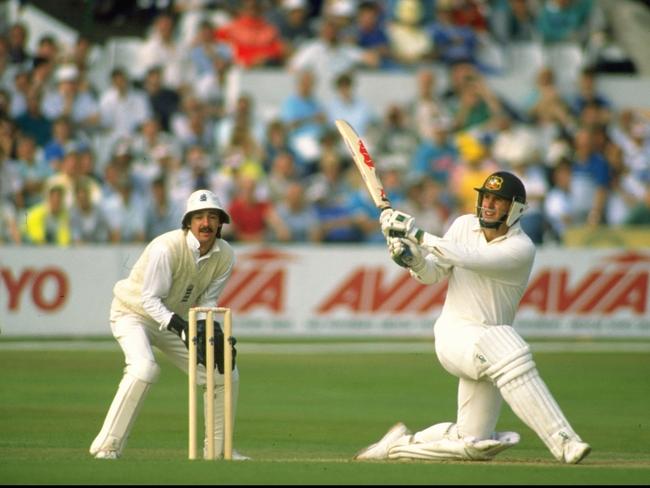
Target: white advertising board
327, 291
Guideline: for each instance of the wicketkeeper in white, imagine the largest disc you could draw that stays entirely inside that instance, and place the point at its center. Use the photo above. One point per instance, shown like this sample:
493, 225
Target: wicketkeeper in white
177, 270
487, 259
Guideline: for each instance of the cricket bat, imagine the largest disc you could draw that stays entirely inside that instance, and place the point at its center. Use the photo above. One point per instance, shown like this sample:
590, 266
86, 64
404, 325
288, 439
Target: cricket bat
366, 166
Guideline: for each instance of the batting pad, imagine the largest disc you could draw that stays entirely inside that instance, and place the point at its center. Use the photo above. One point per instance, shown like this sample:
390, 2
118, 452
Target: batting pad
120, 417
510, 365
466, 449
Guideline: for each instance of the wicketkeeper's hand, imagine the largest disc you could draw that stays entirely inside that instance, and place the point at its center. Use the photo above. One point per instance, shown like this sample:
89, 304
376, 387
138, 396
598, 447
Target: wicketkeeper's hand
406, 253
397, 224
179, 326
218, 345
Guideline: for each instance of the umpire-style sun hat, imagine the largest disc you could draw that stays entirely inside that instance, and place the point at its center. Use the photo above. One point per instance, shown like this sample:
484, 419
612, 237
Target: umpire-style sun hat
504, 185
203, 200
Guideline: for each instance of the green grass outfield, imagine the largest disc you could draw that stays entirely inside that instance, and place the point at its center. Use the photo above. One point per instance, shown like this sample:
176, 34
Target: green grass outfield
305, 408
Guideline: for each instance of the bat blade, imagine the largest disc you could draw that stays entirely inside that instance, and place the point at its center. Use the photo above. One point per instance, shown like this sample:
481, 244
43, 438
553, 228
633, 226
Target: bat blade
364, 163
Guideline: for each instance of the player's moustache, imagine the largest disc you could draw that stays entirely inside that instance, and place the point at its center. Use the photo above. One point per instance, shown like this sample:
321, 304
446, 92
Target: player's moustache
206, 229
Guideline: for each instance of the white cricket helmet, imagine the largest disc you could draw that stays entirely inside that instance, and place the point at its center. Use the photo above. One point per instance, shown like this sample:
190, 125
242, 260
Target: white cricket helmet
204, 200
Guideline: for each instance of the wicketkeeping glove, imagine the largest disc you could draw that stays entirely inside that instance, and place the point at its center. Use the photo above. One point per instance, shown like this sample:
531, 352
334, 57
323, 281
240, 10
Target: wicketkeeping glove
406, 253
179, 326
218, 345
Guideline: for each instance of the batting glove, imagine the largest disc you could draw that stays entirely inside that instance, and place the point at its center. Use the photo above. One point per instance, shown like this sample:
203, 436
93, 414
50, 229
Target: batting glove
397, 224
405, 253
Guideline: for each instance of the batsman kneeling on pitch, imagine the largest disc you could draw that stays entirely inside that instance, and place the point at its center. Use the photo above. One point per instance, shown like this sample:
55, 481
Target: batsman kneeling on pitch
178, 270
487, 259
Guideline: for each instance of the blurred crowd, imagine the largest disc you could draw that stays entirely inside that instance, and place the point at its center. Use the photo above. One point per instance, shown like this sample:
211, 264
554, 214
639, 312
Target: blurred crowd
82, 163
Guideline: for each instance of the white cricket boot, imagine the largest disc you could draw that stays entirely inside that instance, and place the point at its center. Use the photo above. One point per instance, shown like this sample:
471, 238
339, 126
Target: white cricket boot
379, 450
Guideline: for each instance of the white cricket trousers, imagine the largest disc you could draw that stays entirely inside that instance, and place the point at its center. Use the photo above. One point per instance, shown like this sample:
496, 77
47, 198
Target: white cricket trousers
137, 337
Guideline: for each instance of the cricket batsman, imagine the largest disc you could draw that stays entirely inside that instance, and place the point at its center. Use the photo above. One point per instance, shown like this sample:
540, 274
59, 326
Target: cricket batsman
487, 259
177, 270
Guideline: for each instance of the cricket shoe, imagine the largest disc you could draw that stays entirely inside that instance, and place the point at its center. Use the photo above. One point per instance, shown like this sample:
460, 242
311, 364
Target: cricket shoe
236, 456
576, 451
106, 455
379, 450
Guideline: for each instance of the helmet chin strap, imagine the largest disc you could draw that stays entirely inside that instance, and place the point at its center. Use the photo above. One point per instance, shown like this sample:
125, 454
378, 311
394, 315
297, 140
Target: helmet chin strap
492, 225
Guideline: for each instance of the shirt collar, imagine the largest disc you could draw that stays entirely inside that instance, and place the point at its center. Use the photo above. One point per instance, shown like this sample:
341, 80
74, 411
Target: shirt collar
514, 229
193, 244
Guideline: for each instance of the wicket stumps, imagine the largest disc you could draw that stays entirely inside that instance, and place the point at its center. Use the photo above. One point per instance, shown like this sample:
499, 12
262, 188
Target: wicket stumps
209, 380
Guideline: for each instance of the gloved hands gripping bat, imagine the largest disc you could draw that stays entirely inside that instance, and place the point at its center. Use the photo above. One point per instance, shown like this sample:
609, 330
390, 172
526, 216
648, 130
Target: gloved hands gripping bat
393, 223
180, 327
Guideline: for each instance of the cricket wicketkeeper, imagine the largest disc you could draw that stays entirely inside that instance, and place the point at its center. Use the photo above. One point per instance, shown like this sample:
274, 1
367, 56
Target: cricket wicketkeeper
487, 259
177, 270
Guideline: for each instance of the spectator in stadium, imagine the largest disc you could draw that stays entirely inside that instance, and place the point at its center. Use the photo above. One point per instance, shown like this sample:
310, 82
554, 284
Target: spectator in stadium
255, 42
588, 94
276, 141
473, 167
205, 50
242, 117
18, 36
33, 122
632, 133
10, 183
640, 213
625, 191
126, 211
9, 227
33, 171
425, 201
477, 106
394, 141
62, 137
72, 173
123, 108
281, 174
18, 90
348, 105
305, 118
298, 215
143, 143
426, 106
8, 134
435, 155
45, 62
328, 56
68, 100
558, 204
48, 222
591, 180
165, 101
546, 108
567, 21
294, 25
452, 42
88, 222
330, 191
410, 43
514, 21
254, 219
193, 124
371, 33
163, 214
161, 48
